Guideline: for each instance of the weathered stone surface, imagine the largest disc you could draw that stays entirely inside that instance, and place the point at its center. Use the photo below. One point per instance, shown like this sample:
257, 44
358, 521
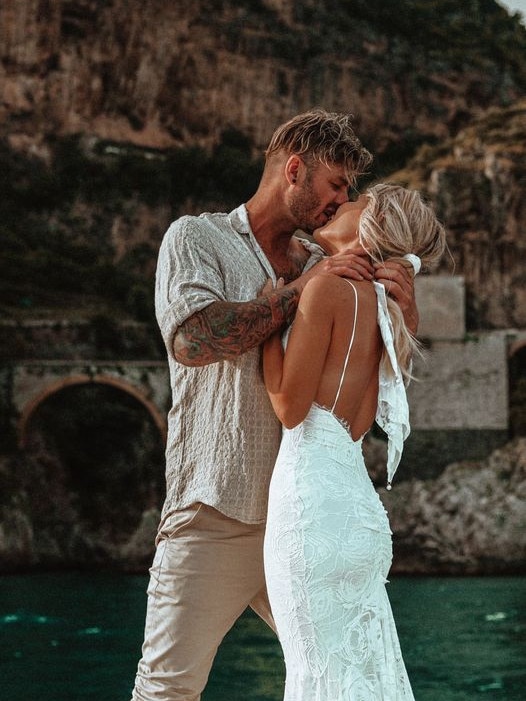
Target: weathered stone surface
472, 519
161, 73
441, 302
73, 339
478, 186
146, 380
427, 452
461, 384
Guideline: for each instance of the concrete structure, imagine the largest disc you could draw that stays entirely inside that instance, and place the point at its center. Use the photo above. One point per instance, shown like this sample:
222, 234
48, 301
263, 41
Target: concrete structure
462, 384
458, 371
459, 402
442, 303
29, 383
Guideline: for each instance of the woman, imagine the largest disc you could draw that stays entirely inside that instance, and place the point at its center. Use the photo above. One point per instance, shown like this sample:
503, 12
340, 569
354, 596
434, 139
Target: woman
328, 542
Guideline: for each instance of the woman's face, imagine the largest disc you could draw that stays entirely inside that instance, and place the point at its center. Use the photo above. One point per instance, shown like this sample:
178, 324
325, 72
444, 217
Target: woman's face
342, 230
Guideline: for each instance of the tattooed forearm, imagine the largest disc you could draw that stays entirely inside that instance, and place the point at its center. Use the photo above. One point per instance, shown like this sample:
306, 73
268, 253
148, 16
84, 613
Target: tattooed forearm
295, 264
225, 330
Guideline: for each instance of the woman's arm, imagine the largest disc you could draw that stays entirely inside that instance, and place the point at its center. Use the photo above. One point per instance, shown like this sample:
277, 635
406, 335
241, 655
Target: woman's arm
398, 281
273, 364
292, 379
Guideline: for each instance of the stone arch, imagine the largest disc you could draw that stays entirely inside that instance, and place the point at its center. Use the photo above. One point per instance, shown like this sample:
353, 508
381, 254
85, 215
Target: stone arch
517, 345
81, 379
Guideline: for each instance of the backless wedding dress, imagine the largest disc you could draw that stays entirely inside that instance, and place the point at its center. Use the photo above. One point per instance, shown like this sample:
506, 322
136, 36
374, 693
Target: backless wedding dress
328, 551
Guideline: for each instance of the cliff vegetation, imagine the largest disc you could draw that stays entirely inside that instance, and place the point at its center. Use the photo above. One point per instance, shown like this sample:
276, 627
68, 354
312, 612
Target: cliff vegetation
116, 116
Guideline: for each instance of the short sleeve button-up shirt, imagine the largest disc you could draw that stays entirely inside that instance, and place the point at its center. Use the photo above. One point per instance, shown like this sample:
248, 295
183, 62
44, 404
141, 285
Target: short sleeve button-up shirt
223, 435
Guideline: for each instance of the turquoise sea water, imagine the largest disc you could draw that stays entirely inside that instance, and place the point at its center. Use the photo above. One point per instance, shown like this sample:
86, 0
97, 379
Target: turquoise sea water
74, 637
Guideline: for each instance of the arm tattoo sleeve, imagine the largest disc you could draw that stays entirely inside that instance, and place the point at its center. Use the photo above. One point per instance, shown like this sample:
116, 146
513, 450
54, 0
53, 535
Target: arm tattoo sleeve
225, 330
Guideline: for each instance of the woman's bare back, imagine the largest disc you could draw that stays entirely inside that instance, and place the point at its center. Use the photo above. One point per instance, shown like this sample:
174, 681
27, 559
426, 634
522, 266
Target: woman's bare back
357, 401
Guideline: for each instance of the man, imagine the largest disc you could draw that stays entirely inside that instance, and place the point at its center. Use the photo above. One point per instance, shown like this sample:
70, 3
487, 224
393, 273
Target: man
223, 436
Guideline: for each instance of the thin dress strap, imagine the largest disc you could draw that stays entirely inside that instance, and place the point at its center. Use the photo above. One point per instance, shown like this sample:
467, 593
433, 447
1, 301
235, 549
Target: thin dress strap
350, 344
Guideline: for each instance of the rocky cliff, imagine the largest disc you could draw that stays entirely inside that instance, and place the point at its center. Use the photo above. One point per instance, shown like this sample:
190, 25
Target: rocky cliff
477, 181
471, 520
117, 115
163, 74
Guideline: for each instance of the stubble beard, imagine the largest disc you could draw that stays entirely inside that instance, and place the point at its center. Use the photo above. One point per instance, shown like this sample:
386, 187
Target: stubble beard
303, 205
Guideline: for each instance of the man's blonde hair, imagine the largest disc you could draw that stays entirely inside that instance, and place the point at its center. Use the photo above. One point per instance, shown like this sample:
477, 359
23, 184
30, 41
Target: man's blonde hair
323, 137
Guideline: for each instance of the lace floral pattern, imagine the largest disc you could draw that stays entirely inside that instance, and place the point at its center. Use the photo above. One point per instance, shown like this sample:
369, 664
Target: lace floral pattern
327, 553
327, 556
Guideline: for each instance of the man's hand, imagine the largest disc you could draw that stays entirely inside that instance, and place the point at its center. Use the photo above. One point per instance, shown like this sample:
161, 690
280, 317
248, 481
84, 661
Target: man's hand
270, 287
398, 280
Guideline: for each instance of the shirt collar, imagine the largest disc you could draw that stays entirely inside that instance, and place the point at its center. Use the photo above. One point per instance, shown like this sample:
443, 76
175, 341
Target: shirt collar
241, 224
239, 220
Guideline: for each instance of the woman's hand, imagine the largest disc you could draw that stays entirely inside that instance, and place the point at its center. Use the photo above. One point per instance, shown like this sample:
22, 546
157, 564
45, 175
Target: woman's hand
353, 263
398, 280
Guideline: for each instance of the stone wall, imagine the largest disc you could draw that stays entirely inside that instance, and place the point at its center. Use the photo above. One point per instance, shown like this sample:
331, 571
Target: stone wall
459, 401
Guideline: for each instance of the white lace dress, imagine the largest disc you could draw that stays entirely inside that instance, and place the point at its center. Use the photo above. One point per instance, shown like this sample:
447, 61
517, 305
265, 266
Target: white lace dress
328, 552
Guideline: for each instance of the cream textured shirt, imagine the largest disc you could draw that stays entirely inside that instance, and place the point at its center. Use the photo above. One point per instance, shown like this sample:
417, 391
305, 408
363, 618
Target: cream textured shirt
223, 435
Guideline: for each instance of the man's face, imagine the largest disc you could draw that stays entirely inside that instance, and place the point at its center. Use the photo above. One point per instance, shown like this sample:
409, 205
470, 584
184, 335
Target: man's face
319, 192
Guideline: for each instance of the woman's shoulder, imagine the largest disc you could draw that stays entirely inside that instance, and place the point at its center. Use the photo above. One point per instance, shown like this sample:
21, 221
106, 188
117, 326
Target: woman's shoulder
327, 282
330, 292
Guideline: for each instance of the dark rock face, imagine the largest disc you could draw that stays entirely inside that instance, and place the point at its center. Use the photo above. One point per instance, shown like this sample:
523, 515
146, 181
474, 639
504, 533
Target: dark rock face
477, 181
161, 74
86, 488
157, 76
470, 520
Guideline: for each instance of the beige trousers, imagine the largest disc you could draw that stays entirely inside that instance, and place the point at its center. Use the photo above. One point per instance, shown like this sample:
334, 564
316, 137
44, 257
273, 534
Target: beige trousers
207, 569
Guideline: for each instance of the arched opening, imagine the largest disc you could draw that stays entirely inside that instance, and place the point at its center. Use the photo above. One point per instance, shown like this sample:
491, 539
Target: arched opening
71, 380
94, 456
517, 390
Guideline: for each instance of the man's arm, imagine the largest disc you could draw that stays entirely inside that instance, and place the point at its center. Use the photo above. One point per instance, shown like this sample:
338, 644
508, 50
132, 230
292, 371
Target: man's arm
225, 330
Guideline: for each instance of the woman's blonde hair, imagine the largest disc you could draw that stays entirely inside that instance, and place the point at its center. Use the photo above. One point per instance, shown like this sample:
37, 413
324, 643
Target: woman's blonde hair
397, 221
